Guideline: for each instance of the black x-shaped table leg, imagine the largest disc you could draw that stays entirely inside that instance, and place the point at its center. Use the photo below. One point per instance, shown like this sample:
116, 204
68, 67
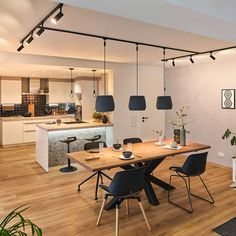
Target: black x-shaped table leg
149, 179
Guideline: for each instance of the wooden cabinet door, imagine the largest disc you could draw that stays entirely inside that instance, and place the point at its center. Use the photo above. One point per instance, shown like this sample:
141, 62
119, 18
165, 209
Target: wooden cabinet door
10, 90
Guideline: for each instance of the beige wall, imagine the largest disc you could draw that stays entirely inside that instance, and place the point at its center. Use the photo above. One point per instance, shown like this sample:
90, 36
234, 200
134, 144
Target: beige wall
199, 86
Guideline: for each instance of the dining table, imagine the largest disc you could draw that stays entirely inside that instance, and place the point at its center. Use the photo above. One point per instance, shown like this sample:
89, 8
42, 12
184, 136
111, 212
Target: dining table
150, 154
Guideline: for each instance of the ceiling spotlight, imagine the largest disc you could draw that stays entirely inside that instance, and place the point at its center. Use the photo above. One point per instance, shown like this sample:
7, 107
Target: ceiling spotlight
39, 32
59, 15
30, 39
20, 48
212, 57
191, 59
173, 62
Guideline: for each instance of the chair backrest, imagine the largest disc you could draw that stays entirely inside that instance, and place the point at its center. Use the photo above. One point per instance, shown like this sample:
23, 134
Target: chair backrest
132, 140
127, 182
92, 145
195, 164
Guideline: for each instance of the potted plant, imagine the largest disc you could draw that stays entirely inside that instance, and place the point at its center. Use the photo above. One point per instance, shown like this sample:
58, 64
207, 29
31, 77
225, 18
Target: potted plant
229, 134
14, 224
160, 137
179, 126
97, 116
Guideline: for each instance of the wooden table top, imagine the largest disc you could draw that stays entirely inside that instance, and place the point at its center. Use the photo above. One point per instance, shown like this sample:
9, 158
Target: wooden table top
145, 151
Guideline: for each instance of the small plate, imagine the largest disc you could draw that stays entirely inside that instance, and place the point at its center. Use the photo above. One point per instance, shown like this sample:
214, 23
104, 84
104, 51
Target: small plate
172, 148
160, 144
123, 158
118, 150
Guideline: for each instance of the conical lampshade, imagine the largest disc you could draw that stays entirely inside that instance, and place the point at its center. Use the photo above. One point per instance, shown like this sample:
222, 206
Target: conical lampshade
137, 103
104, 103
164, 103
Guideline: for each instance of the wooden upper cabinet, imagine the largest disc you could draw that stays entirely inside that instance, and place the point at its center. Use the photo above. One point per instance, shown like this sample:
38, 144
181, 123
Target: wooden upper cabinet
10, 90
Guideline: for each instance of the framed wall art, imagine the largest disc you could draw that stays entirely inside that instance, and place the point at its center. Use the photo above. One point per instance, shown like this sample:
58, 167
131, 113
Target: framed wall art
228, 98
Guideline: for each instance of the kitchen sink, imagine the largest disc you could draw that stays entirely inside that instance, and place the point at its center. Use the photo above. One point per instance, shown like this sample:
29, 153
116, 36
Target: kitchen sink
75, 122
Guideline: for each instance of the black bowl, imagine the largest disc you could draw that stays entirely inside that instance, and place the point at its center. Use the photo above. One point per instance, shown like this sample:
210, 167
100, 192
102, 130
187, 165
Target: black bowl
117, 146
127, 154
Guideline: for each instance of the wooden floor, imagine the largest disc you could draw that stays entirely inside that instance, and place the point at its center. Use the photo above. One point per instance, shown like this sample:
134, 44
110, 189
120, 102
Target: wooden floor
57, 207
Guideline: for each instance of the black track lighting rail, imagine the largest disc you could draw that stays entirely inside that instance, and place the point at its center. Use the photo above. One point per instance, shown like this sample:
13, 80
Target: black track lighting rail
199, 53
40, 24
116, 39
29, 37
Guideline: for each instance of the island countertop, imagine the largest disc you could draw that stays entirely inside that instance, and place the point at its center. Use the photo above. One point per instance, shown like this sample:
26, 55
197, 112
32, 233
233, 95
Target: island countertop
62, 126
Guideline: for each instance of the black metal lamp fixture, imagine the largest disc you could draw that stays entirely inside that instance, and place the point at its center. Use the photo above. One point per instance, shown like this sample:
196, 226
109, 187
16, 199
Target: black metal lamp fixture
164, 102
191, 59
94, 83
104, 103
211, 56
40, 31
137, 102
58, 16
30, 39
71, 83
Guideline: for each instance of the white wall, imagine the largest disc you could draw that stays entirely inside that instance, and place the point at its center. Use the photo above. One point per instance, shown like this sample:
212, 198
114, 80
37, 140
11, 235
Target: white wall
199, 86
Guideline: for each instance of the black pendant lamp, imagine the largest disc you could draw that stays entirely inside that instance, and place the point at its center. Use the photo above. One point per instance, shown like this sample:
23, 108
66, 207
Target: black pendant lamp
94, 83
71, 83
104, 103
164, 102
137, 102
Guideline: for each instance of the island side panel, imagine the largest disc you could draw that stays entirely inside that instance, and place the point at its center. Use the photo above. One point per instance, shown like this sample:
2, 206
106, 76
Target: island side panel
42, 148
57, 150
109, 136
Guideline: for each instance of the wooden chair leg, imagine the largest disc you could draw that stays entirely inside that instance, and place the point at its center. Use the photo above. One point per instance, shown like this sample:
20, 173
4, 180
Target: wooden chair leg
127, 206
101, 211
117, 220
144, 215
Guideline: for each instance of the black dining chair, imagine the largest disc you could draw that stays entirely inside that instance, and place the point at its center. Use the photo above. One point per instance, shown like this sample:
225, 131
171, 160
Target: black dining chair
100, 174
194, 165
132, 140
125, 185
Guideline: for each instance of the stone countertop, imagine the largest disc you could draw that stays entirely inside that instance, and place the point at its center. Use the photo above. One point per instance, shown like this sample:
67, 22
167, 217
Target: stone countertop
55, 127
12, 118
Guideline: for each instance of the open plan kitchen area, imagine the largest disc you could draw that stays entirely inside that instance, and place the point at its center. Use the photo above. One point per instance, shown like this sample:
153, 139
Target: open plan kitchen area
116, 118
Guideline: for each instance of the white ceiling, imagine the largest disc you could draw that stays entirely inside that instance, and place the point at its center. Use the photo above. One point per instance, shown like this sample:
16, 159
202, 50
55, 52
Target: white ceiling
188, 24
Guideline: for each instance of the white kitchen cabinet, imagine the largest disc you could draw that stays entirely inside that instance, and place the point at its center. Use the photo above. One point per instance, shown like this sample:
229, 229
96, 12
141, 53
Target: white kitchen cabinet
29, 130
12, 132
10, 90
60, 91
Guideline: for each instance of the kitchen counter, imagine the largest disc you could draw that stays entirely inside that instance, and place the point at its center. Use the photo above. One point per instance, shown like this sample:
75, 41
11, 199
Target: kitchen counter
51, 152
62, 126
12, 118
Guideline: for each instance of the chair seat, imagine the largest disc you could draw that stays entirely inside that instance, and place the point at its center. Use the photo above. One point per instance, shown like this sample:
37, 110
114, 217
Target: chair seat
68, 140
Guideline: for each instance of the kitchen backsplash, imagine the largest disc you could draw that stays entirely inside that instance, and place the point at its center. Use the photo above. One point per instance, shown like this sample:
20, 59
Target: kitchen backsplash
41, 108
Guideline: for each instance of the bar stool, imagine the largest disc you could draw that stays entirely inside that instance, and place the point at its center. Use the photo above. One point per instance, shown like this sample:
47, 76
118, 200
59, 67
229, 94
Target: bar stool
94, 138
69, 168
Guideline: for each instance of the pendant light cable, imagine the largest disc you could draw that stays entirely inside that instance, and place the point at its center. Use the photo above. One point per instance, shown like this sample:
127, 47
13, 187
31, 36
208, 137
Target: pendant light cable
94, 84
71, 84
137, 69
104, 66
164, 69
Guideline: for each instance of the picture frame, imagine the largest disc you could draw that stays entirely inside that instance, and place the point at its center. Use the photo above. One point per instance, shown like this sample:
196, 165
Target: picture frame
228, 98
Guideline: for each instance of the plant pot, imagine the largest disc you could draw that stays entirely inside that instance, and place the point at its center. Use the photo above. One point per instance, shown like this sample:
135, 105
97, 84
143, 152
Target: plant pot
104, 119
177, 136
183, 137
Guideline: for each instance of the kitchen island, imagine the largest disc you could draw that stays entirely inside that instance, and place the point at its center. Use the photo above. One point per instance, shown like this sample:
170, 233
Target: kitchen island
51, 152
